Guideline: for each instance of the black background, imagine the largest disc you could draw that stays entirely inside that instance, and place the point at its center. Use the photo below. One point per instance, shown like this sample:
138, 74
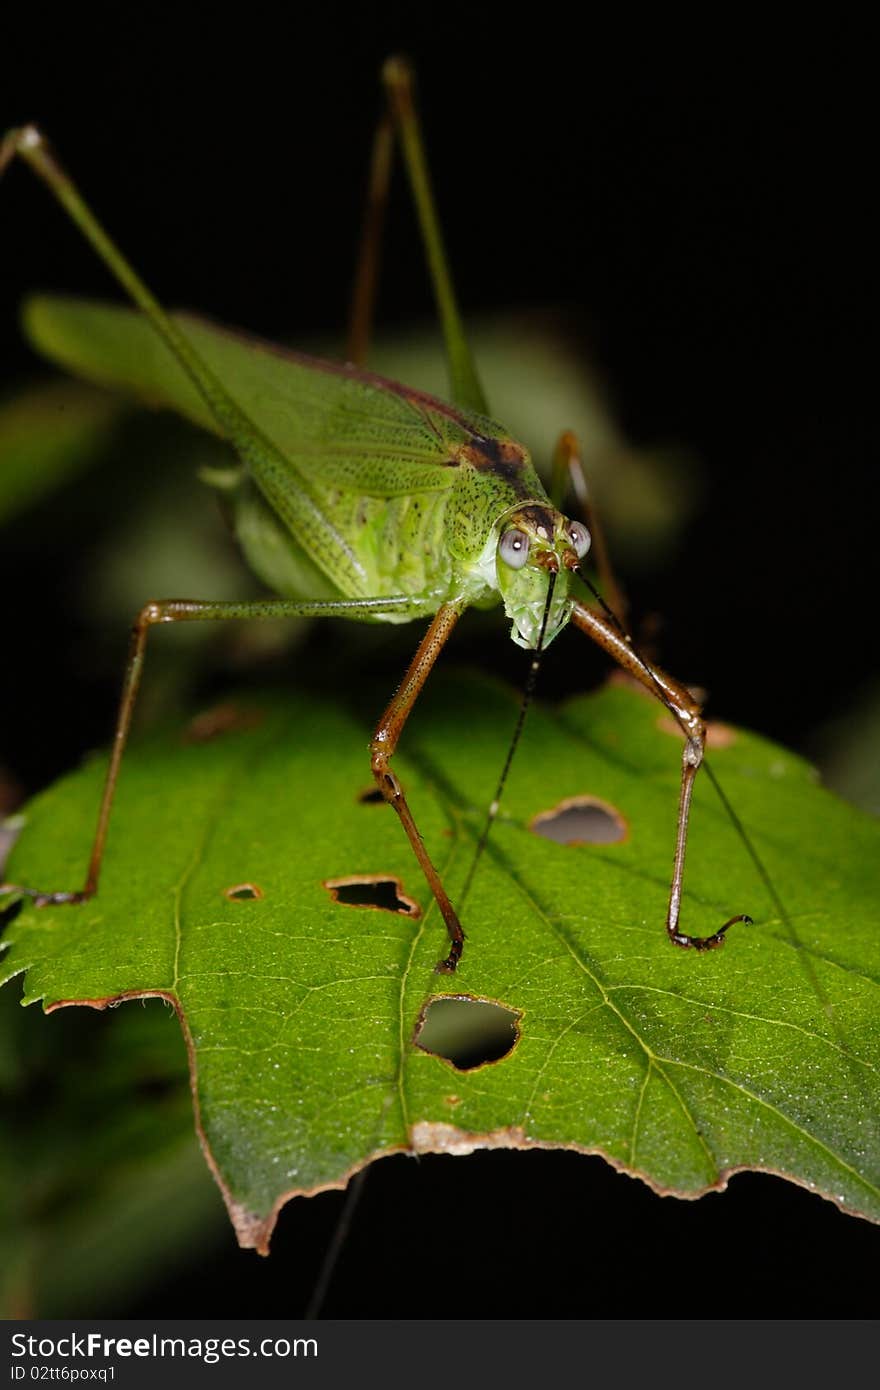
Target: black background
696, 197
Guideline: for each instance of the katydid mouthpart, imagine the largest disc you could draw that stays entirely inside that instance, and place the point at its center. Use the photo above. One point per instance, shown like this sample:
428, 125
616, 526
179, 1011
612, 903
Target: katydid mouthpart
358, 497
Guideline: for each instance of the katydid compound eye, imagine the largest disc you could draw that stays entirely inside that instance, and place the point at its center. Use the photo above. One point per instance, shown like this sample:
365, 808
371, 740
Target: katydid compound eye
579, 537
514, 548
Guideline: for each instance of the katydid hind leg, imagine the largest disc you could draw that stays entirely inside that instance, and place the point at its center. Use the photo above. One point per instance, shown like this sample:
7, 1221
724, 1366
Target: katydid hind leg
688, 715
401, 118
366, 278
385, 741
174, 611
277, 475
465, 387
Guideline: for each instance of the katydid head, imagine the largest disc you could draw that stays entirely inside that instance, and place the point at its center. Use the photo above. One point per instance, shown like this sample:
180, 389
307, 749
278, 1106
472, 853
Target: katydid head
535, 542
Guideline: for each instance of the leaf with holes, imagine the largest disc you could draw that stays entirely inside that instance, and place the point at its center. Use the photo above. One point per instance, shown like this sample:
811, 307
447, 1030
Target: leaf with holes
252, 881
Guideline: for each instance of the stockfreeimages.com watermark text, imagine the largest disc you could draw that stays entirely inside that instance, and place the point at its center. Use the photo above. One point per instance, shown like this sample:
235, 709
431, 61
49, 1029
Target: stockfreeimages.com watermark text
94, 1345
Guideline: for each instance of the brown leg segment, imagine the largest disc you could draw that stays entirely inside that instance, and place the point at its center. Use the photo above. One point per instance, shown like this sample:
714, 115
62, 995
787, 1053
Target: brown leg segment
384, 743
686, 712
149, 614
366, 277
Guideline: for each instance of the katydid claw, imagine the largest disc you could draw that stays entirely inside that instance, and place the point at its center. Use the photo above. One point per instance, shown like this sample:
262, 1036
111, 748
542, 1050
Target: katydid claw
447, 966
708, 943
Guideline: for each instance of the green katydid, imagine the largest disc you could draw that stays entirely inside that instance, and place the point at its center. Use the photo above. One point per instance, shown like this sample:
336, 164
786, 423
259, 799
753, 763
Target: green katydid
358, 497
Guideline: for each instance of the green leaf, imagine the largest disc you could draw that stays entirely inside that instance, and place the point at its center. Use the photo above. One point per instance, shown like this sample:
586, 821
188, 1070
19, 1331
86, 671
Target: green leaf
300, 1011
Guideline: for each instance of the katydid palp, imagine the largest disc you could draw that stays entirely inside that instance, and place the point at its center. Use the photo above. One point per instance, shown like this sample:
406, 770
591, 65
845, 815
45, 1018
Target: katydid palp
358, 497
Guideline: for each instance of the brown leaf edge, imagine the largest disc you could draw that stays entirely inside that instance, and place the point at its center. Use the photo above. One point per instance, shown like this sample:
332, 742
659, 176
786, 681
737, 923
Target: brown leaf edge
254, 1232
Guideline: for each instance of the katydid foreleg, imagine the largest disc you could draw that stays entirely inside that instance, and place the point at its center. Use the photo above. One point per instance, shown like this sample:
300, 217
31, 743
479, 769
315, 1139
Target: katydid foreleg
688, 715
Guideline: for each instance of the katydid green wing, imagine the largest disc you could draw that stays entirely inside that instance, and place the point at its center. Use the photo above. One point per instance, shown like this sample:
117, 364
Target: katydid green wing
326, 417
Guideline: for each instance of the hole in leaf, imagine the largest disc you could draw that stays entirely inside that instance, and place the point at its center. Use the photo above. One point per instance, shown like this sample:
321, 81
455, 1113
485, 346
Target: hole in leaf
241, 892
156, 1087
581, 820
378, 891
9, 914
371, 796
467, 1032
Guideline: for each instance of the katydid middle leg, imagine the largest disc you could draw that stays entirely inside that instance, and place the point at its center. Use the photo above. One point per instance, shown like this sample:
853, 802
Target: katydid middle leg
384, 743
193, 610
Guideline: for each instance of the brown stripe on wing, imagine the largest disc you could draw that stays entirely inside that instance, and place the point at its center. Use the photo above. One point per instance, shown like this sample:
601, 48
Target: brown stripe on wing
503, 457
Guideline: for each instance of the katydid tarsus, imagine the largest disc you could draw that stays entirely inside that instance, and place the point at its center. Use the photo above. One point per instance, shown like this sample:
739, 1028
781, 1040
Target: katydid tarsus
358, 497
